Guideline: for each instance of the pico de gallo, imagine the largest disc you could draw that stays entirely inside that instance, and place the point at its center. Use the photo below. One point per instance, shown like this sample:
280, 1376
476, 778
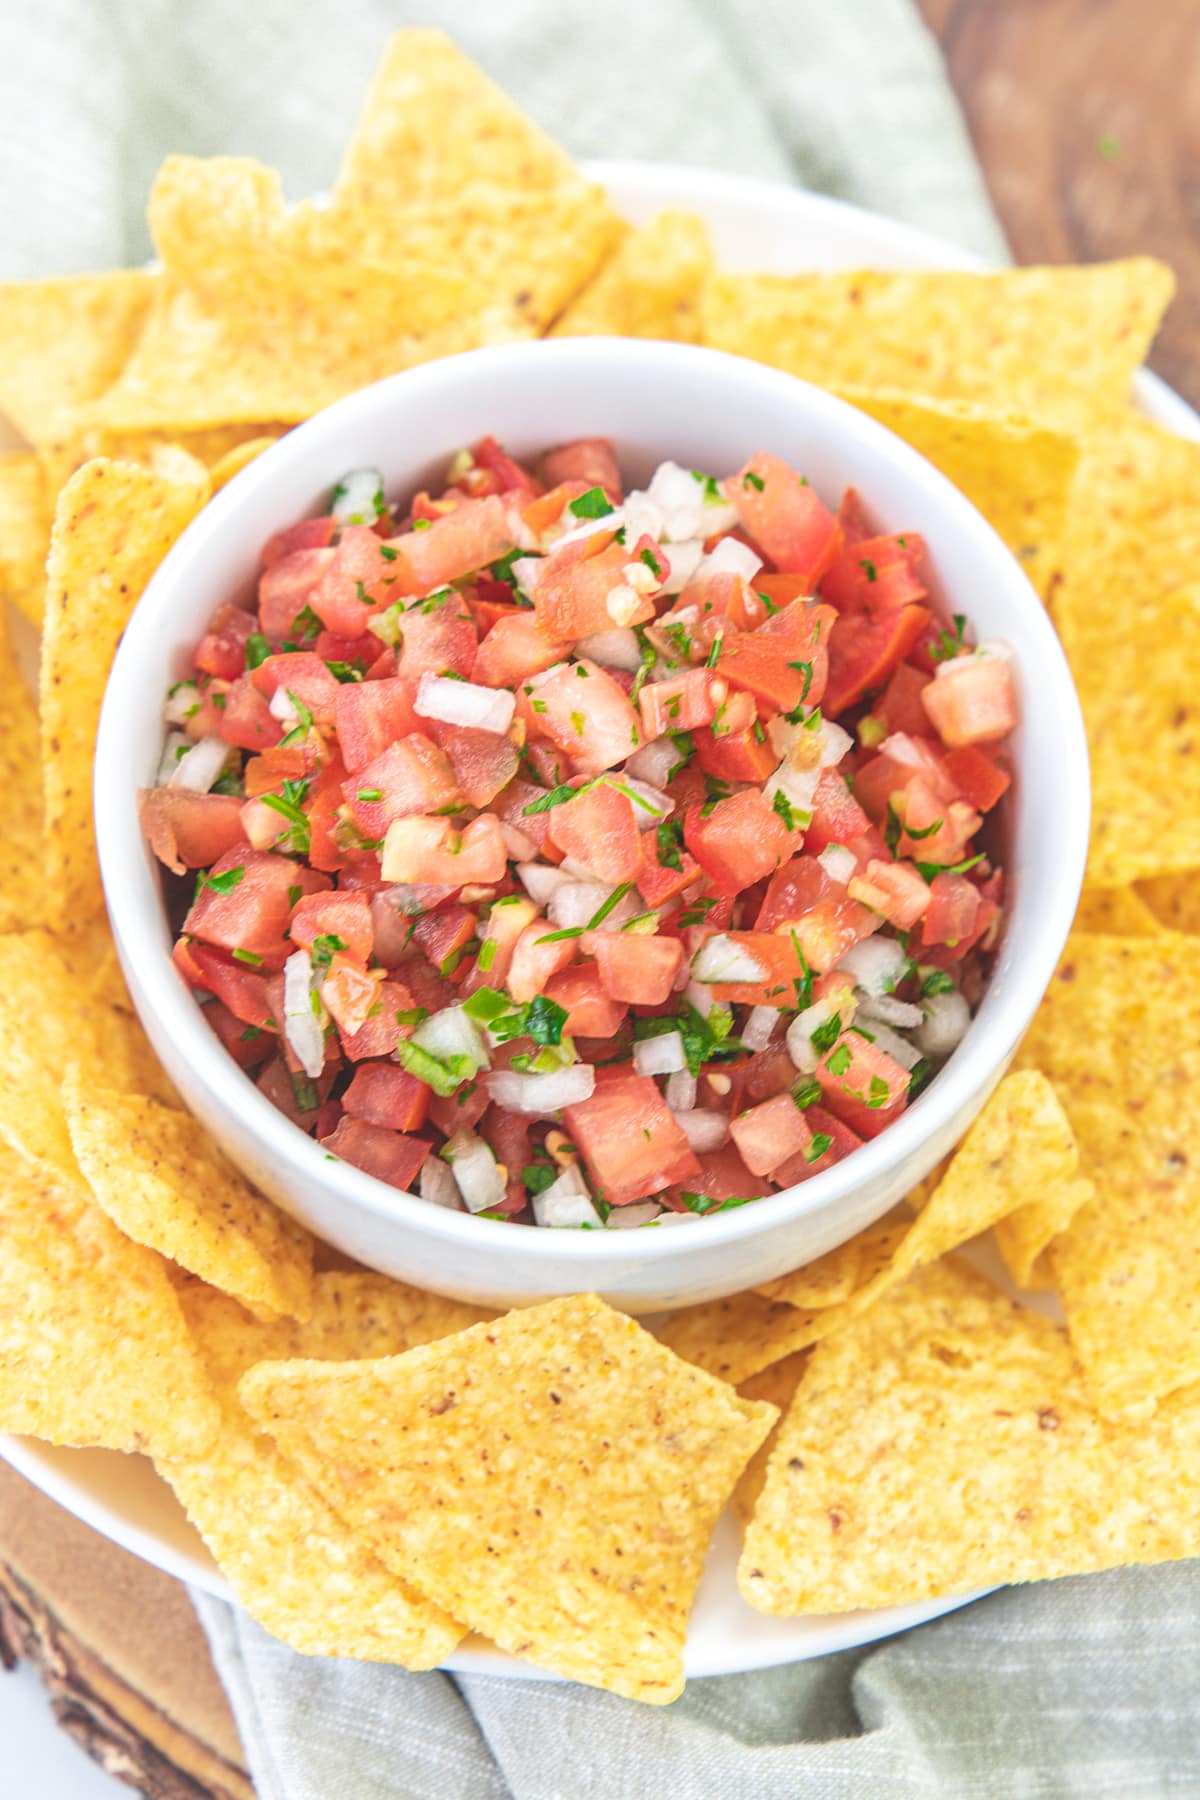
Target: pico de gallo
585, 857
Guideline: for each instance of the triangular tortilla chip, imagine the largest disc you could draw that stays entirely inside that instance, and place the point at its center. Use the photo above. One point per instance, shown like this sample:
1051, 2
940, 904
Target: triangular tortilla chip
1120, 912
20, 782
552, 1479
63, 340
1173, 901
25, 516
650, 286
777, 1385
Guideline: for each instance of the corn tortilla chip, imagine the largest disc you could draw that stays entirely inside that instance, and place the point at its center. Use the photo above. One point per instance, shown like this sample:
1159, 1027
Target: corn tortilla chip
735, 1338
442, 162
552, 1479
1119, 912
1016, 471
214, 447
1173, 901
1119, 1035
24, 533
240, 457
1058, 344
93, 1345
301, 1572
114, 525
777, 1385
650, 286
63, 341
162, 1179
20, 780
946, 1441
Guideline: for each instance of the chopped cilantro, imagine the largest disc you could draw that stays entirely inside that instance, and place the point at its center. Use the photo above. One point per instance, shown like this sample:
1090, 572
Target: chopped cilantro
257, 650
820, 1144
669, 840
751, 480
838, 1061
806, 1093
592, 505
825, 1035
948, 645
220, 884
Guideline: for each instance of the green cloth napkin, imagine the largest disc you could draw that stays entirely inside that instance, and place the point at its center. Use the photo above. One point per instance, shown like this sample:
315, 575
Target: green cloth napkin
1084, 1687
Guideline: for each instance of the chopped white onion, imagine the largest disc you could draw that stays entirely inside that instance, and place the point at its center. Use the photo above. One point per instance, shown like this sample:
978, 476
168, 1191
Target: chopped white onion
358, 497
464, 703
720, 959
540, 881
283, 707
650, 804
566, 1202
452, 1032
177, 745
798, 786
641, 517
680, 1091
703, 1130
630, 1218
877, 964
200, 766
182, 702
891, 1043
946, 1019
480, 1178
670, 1217
526, 573
699, 997
685, 558
838, 863
730, 557
760, 1025
654, 762
438, 1186
303, 1014
685, 511
541, 1096
901, 1013
801, 1048
517, 846
616, 649
660, 1055
576, 902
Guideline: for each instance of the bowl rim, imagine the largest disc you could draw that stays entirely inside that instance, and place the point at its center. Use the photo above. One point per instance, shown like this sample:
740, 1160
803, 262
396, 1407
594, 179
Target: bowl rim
996, 1028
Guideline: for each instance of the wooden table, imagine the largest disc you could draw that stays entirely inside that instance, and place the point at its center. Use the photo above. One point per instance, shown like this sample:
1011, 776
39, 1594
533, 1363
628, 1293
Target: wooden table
1086, 117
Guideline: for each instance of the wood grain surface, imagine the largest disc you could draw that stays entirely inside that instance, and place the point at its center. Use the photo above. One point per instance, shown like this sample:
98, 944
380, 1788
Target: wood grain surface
1086, 118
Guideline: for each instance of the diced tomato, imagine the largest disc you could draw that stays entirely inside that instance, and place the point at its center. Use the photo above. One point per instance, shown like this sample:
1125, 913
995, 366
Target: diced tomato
803, 900
514, 649
677, 705
784, 517
836, 815
952, 910
508, 1135
591, 1010
245, 719
304, 678
443, 934
574, 583
775, 953
242, 990
628, 1138
971, 701
247, 1044
432, 853
768, 1134
371, 715
780, 590
410, 778
346, 917
187, 830
841, 1142
222, 649
381, 1031
876, 574
490, 601
863, 651
722, 1175
358, 653
474, 534
657, 882
384, 1095
538, 955
590, 461
736, 748
600, 830
895, 890
588, 718
899, 706
510, 805
350, 994
510, 476
308, 534
742, 839
460, 1111
438, 637
721, 598
772, 670
797, 887
359, 579
498, 941
766, 1074
977, 777
634, 967
862, 1085
483, 761
852, 517
251, 913
388, 1155
540, 514
276, 1085
285, 589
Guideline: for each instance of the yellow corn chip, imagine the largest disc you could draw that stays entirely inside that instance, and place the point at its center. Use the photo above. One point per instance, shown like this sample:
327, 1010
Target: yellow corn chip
54, 1011
1119, 1035
24, 533
1119, 912
650, 286
301, 1572
552, 1479
777, 1385
736, 1337
1059, 344
946, 1441
838, 1275
62, 342
1172, 900
114, 525
93, 1346
161, 1178
1016, 471
443, 164
20, 781
235, 460
214, 447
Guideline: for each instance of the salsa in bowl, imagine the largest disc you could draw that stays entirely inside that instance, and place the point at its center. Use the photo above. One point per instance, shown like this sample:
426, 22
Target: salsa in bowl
627, 816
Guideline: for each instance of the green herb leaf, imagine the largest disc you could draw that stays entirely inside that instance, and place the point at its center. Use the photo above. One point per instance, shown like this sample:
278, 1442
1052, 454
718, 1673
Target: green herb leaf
592, 505
816, 1150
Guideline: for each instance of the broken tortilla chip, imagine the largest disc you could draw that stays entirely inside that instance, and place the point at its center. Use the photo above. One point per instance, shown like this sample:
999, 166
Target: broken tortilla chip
1118, 912
1119, 1035
736, 1337
1058, 344
161, 1178
114, 525
240, 457
20, 778
650, 286
63, 341
301, 1572
946, 1441
777, 1385
1173, 901
485, 1469
24, 533
93, 1346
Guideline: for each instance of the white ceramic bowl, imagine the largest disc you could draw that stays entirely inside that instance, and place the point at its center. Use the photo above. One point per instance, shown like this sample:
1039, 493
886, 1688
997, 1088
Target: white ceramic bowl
707, 410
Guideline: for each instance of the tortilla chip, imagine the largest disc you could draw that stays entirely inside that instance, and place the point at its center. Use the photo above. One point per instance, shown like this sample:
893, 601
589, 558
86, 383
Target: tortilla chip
24, 533
841, 1273
945, 1442
1172, 900
162, 1179
52, 1014
1058, 344
1017, 472
212, 447
240, 457
650, 286
1118, 912
551, 1479
62, 342
444, 164
93, 1346
735, 1338
1119, 1035
20, 781
114, 525
300, 1572
777, 1385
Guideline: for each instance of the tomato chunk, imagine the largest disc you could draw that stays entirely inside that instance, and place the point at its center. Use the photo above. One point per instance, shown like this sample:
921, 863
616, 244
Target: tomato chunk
637, 969
784, 517
411, 777
972, 701
628, 1138
831, 1136
431, 853
864, 649
768, 1134
600, 830
388, 1155
742, 839
346, 917
370, 715
246, 901
592, 1012
862, 1085
384, 1095
588, 717
514, 649
188, 830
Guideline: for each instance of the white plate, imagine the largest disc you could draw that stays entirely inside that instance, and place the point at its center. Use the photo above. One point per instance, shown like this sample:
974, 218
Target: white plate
755, 225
